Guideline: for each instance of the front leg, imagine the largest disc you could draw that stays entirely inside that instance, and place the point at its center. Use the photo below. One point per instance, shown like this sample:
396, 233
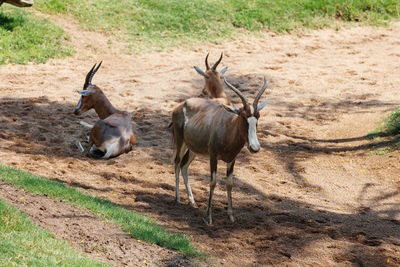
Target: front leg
229, 185
213, 182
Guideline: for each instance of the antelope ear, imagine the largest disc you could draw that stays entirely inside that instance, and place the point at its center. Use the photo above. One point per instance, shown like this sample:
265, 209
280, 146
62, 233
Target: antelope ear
201, 72
85, 92
231, 109
222, 72
262, 105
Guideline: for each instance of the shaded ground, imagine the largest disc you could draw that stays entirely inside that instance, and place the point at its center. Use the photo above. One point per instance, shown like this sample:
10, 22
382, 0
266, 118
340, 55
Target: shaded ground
315, 195
85, 231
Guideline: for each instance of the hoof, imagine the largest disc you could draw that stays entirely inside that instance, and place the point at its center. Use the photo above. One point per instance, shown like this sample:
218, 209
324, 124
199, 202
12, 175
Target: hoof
207, 221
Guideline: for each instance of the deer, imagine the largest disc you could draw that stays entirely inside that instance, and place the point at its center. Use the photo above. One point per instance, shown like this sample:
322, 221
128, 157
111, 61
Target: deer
217, 131
213, 84
113, 134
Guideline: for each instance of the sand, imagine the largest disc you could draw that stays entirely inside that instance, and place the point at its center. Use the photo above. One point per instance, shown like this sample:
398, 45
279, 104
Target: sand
315, 195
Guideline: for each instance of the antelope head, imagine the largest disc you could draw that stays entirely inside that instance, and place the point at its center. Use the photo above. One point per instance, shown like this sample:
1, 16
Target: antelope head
212, 76
249, 113
89, 94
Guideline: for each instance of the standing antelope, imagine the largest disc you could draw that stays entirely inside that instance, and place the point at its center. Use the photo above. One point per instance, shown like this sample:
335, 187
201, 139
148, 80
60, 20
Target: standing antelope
112, 135
218, 131
213, 84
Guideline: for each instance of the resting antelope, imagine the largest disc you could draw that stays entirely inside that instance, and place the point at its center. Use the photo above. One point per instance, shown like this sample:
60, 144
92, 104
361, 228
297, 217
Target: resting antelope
213, 84
218, 131
113, 134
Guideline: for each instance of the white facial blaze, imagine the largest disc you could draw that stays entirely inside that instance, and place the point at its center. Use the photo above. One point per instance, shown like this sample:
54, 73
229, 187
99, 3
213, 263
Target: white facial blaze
253, 140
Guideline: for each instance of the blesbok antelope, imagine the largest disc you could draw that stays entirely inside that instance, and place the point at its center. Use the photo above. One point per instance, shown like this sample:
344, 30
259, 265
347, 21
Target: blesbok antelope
113, 134
217, 131
213, 84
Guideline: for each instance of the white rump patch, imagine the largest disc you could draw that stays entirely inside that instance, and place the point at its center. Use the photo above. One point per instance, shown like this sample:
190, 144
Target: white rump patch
184, 114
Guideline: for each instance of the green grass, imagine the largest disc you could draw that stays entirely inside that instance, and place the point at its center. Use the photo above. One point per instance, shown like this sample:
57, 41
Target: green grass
157, 24
141, 227
390, 125
171, 22
26, 38
22, 243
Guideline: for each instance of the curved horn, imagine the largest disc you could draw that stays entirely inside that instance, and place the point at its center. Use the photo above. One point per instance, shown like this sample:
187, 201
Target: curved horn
216, 63
87, 80
236, 91
94, 72
207, 66
255, 103
91, 73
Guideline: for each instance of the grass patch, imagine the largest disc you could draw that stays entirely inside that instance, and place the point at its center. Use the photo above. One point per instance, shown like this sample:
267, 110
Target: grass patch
170, 22
26, 38
390, 126
22, 243
392, 123
141, 227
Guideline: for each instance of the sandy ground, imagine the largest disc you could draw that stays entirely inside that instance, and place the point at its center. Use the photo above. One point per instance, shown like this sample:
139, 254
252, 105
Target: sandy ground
315, 195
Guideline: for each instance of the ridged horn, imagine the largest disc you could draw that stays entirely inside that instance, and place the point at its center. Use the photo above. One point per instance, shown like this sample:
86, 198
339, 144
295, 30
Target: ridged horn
216, 63
236, 91
91, 73
255, 103
207, 66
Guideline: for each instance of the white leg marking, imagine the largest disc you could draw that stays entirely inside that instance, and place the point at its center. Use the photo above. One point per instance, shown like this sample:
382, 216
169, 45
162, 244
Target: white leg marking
79, 145
186, 179
86, 124
111, 150
93, 149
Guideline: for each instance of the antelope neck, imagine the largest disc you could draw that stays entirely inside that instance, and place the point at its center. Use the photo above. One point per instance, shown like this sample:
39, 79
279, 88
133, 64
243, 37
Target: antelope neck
104, 108
215, 89
238, 133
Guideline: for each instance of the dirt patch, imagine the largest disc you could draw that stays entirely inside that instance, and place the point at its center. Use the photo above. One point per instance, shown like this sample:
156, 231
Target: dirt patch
85, 231
316, 194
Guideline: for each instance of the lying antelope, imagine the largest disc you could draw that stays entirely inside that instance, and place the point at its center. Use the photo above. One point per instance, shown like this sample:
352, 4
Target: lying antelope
112, 135
218, 131
213, 84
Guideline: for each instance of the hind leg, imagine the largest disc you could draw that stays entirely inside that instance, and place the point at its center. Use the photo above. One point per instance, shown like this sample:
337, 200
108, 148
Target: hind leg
95, 152
229, 185
213, 182
185, 162
178, 154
